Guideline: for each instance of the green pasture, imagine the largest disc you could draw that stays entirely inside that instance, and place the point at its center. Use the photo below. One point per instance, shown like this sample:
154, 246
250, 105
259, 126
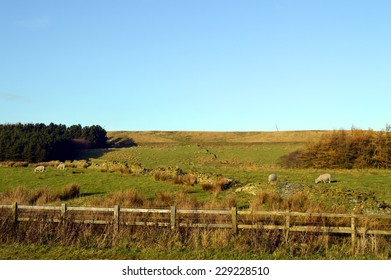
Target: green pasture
196, 156
245, 163
93, 183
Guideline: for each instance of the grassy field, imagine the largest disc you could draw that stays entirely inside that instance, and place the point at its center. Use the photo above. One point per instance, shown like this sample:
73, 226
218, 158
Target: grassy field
246, 158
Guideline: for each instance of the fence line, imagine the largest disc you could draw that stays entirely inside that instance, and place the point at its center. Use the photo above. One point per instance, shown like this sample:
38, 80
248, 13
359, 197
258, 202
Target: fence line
234, 219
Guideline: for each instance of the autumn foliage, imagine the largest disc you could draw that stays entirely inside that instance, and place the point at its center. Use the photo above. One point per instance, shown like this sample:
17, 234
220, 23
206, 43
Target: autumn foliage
354, 148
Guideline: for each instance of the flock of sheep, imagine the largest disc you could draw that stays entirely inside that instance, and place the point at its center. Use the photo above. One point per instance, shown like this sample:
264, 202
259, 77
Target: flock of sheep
324, 178
42, 168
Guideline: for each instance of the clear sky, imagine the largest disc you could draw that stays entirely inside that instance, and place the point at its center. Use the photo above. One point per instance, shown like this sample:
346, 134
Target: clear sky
214, 65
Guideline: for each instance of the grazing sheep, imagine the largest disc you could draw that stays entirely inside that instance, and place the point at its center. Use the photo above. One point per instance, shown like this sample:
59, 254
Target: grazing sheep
40, 168
61, 166
272, 178
323, 178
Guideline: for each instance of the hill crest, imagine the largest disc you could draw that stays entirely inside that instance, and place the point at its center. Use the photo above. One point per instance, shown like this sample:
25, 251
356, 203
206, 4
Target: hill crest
198, 137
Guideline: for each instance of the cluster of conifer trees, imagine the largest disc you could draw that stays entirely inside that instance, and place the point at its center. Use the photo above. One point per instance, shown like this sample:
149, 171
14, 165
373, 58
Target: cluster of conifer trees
345, 149
40, 142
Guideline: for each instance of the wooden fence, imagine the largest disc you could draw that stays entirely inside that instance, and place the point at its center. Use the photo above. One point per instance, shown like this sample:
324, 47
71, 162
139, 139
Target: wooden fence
234, 219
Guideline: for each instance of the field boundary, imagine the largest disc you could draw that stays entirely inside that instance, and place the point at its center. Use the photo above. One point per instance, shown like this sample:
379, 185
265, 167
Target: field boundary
233, 219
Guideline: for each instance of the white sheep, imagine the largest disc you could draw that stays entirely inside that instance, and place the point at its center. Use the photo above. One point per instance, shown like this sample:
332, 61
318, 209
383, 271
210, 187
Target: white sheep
61, 166
272, 178
40, 168
323, 178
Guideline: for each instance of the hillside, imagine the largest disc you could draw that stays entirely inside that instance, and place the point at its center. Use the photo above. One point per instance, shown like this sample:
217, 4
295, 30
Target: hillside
127, 138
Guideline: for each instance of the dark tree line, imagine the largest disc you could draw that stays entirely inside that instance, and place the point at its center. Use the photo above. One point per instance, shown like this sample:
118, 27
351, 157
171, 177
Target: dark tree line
40, 142
345, 149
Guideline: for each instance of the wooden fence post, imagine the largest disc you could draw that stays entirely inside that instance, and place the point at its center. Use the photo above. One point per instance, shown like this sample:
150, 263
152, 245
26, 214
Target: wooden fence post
173, 217
287, 225
63, 210
116, 219
15, 213
234, 213
353, 227
15, 218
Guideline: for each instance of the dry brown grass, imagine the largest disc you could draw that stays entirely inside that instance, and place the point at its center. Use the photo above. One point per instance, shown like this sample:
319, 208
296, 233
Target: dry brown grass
189, 179
164, 199
45, 196
179, 199
70, 191
40, 196
270, 199
125, 198
261, 242
217, 186
124, 170
76, 163
258, 242
227, 203
27, 196
299, 202
207, 186
175, 176
222, 184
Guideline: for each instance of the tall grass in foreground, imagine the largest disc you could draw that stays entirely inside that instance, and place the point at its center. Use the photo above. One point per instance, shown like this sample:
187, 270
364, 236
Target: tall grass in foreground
191, 241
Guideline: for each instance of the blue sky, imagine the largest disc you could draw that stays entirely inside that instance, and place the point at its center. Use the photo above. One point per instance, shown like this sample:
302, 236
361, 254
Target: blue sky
197, 65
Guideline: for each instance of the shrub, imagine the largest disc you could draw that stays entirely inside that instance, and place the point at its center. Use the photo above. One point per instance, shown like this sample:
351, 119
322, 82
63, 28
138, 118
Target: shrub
70, 191
344, 149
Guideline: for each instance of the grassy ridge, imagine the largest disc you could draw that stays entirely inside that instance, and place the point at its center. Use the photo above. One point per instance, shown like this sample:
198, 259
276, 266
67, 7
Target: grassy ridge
185, 137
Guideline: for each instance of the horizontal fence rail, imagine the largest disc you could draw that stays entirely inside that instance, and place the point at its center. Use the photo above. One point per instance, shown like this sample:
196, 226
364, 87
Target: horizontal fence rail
234, 219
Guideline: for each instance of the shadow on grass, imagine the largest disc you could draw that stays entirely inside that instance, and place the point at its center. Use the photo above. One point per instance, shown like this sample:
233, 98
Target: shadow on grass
91, 194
